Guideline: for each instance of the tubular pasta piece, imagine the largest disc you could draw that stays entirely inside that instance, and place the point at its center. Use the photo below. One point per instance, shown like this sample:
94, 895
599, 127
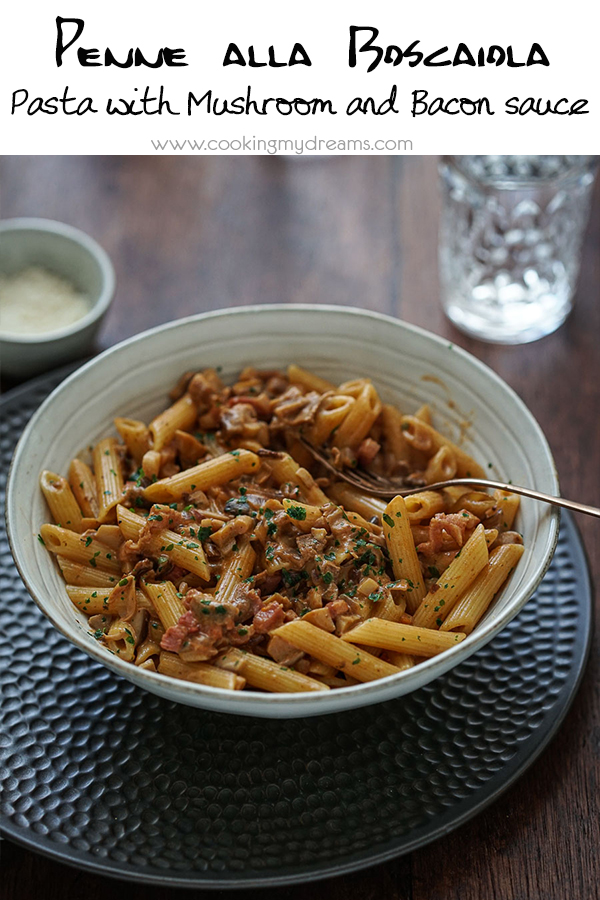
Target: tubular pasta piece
181, 416
402, 638
199, 673
286, 470
441, 466
59, 497
359, 420
109, 478
267, 675
331, 413
219, 470
476, 599
235, 570
302, 515
308, 380
163, 596
423, 437
461, 572
352, 499
136, 437
402, 551
78, 574
83, 485
334, 651
184, 552
79, 548
423, 505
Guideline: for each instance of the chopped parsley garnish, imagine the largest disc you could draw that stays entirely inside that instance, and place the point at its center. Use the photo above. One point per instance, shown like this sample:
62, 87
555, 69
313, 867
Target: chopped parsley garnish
296, 512
433, 571
123, 582
388, 520
41, 540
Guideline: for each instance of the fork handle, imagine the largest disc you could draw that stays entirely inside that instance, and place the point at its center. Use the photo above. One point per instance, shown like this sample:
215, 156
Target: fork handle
513, 488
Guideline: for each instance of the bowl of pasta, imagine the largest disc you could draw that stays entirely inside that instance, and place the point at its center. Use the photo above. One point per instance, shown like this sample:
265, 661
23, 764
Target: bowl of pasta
167, 518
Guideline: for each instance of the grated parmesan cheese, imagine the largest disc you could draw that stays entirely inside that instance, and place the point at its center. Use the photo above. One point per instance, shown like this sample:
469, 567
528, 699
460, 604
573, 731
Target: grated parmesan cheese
36, 301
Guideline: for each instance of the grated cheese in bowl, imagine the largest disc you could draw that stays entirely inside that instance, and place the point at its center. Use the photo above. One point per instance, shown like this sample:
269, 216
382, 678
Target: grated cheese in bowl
36, 301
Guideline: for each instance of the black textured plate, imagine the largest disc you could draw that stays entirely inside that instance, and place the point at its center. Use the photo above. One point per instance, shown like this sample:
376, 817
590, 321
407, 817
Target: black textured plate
99, 774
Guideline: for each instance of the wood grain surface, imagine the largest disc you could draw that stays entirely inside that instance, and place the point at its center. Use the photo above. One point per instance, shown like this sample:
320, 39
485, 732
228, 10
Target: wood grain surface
194, 234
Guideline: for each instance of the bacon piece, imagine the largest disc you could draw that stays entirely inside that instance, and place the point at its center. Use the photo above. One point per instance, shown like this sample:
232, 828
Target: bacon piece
175, 636
269, 617
448, 531
367, 451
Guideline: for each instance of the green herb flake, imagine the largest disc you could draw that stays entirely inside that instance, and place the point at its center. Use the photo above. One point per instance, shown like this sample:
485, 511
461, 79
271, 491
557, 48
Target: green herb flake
296, 512
388, 520
123, 582
41, 540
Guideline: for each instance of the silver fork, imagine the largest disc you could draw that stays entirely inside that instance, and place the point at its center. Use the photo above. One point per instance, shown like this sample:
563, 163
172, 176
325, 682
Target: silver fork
387, 487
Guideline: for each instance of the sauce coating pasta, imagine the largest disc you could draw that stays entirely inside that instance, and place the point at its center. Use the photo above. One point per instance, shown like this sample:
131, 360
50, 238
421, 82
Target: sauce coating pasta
208, 545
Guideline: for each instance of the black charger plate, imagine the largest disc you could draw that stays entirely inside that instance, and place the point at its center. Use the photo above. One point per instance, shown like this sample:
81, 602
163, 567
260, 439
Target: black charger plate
96, 773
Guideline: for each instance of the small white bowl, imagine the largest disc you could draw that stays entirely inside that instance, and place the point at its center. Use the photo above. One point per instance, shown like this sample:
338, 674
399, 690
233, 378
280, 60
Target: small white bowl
71, 254
132, 379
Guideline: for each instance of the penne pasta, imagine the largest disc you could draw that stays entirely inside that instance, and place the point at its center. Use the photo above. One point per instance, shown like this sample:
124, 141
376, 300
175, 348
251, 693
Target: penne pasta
308, 380
166, 601
426, 439
83, 485
477, 598
334, 651
61, 501
82, 549
235, 559
199, 673
402, 551
423, 505
359, 419
461, 572
267, 675
136, 437
213, 472
179, 417
184, 552
109, 477
401, 638
352, 499
287, 471
236, 569
80, 574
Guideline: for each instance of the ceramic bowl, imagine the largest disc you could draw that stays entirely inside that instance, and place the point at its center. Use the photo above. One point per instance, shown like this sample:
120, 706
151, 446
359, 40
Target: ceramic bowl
73, 255
408, 365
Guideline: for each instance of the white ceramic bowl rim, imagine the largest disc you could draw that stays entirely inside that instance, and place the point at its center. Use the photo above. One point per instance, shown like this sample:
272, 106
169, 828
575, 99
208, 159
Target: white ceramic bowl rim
255, 703
99, 305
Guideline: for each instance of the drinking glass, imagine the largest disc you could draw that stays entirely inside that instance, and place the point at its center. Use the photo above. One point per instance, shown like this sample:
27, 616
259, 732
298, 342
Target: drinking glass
510, 242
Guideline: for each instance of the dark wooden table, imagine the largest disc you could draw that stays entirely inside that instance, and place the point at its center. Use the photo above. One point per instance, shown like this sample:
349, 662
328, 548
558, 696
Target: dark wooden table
193, 234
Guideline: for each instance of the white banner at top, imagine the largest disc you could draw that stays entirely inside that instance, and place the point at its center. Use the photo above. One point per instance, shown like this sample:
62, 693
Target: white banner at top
314, 77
